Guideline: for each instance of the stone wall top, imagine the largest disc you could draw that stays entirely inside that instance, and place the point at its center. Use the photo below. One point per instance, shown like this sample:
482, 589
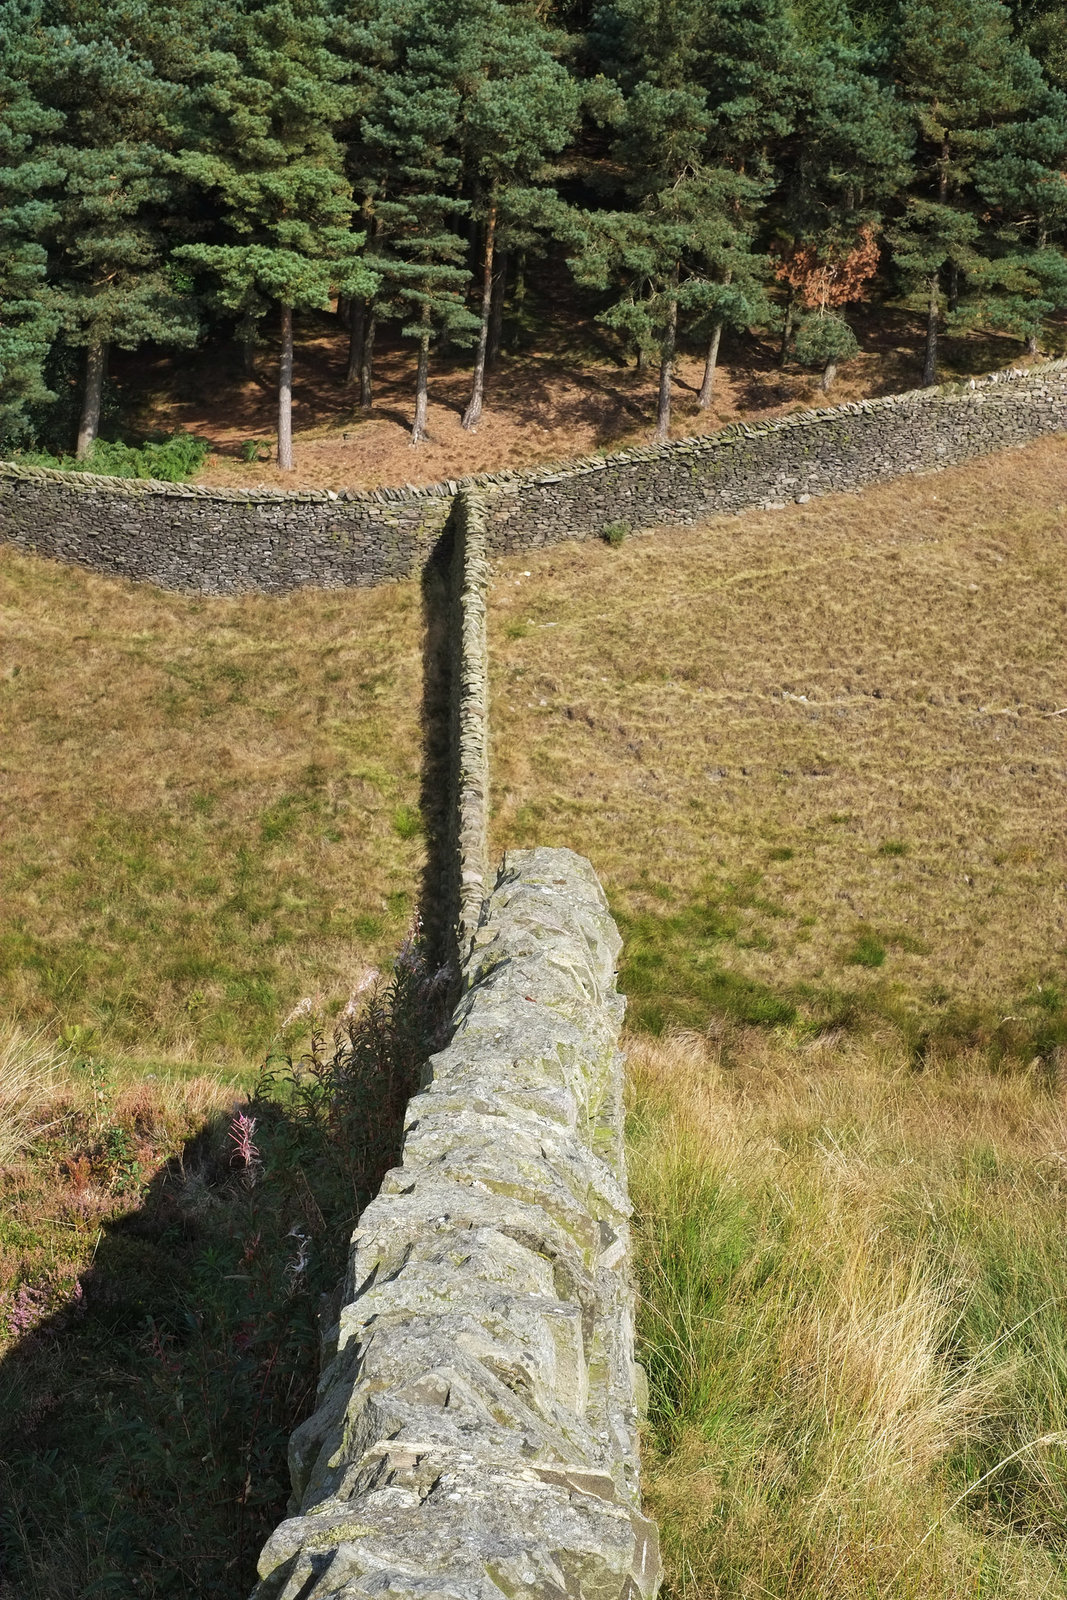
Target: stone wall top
476, 1431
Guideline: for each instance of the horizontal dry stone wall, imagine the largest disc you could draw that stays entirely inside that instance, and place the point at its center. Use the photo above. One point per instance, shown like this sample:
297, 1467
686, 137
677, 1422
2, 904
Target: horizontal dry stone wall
222, 542
793, 458
219, 541
475, 1434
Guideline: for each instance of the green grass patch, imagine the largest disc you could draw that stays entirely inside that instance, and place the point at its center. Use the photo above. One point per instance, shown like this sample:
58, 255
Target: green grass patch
171, 460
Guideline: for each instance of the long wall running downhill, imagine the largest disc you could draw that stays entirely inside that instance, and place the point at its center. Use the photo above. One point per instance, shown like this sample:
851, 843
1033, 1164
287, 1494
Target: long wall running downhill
467, 865
475, 1432
216, 541
476, 1427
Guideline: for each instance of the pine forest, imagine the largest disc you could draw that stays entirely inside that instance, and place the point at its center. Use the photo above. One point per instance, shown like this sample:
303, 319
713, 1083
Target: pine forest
178, 174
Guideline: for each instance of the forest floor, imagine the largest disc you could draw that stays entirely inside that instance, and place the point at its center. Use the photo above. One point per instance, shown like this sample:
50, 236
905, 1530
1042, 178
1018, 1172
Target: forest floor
561, 390
815, 756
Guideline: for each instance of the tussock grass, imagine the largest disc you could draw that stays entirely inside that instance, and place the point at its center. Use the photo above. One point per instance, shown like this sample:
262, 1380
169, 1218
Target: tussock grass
209, 808
814, 754
28, 1067
853, 1320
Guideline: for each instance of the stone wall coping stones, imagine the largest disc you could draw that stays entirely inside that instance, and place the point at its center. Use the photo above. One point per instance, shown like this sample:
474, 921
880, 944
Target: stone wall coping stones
475, 1431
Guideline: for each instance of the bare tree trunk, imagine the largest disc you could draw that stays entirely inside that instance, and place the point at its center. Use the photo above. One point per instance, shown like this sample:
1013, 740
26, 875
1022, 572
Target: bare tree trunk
496, 316
285, 393
344, 311
933, 309
666, 363
366, 366
787, 333
248, 351
418, 426
473, 414
642, 358
829, 373
89, 426
953, 286
708, 385
1031, 344
357, 328
932, 316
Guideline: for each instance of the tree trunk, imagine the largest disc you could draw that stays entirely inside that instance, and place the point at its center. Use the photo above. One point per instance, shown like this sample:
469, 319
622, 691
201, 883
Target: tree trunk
953, 286
344, 311
285, 393
1031, 344
642, 358
357, 329
933, 310
787, 334
710, 363
932, 315
95, 367
366, 366
248, 352
496, 316
473, 414
418, 426
666, 362
829, 373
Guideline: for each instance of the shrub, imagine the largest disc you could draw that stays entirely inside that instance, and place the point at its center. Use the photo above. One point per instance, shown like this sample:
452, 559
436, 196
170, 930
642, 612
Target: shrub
169, 460
824, 340
614, 533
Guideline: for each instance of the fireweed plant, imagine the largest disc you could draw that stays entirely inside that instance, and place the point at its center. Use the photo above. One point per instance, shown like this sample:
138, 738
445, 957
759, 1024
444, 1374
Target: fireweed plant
193, 1348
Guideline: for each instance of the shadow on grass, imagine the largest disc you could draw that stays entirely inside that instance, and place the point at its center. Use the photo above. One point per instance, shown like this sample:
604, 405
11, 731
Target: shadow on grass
144, 1423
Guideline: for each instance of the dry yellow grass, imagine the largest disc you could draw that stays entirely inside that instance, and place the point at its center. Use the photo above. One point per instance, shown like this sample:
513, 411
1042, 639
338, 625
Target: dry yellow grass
853, 1321
816, 754
209, 807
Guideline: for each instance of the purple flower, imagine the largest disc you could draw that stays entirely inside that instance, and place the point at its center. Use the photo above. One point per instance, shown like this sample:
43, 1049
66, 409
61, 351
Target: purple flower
242, 1128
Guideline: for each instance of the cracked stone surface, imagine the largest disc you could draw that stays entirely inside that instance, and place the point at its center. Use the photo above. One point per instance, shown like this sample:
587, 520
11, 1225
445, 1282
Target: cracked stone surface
476, 1426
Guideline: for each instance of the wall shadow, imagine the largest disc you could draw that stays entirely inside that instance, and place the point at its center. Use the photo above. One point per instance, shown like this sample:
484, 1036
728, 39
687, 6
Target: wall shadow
144, 1422
437, 896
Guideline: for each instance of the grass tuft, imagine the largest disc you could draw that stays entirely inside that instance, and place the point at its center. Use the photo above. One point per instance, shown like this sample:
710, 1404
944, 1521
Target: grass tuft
852, 1321
29, 1064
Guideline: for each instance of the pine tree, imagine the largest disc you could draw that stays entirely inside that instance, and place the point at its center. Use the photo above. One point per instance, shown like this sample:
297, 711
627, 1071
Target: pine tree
28, 180
410, 175
111, 281
708, 89
847, 159
267, 157
1024, 187
519, 107
968, 83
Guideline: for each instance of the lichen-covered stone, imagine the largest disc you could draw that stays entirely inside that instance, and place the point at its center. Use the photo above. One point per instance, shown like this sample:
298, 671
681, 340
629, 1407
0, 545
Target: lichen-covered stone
476, 1427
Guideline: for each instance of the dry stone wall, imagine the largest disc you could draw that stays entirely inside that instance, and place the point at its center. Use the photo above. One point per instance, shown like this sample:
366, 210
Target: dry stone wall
476, 1429
468, 864
223, 542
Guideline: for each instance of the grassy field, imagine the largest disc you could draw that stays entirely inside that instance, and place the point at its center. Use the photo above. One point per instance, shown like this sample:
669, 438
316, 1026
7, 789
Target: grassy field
819, 758
209, 808
209, 818
815, 754
854, 1324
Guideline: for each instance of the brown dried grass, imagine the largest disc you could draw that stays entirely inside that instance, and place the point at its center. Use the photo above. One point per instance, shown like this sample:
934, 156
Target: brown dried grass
839, 720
